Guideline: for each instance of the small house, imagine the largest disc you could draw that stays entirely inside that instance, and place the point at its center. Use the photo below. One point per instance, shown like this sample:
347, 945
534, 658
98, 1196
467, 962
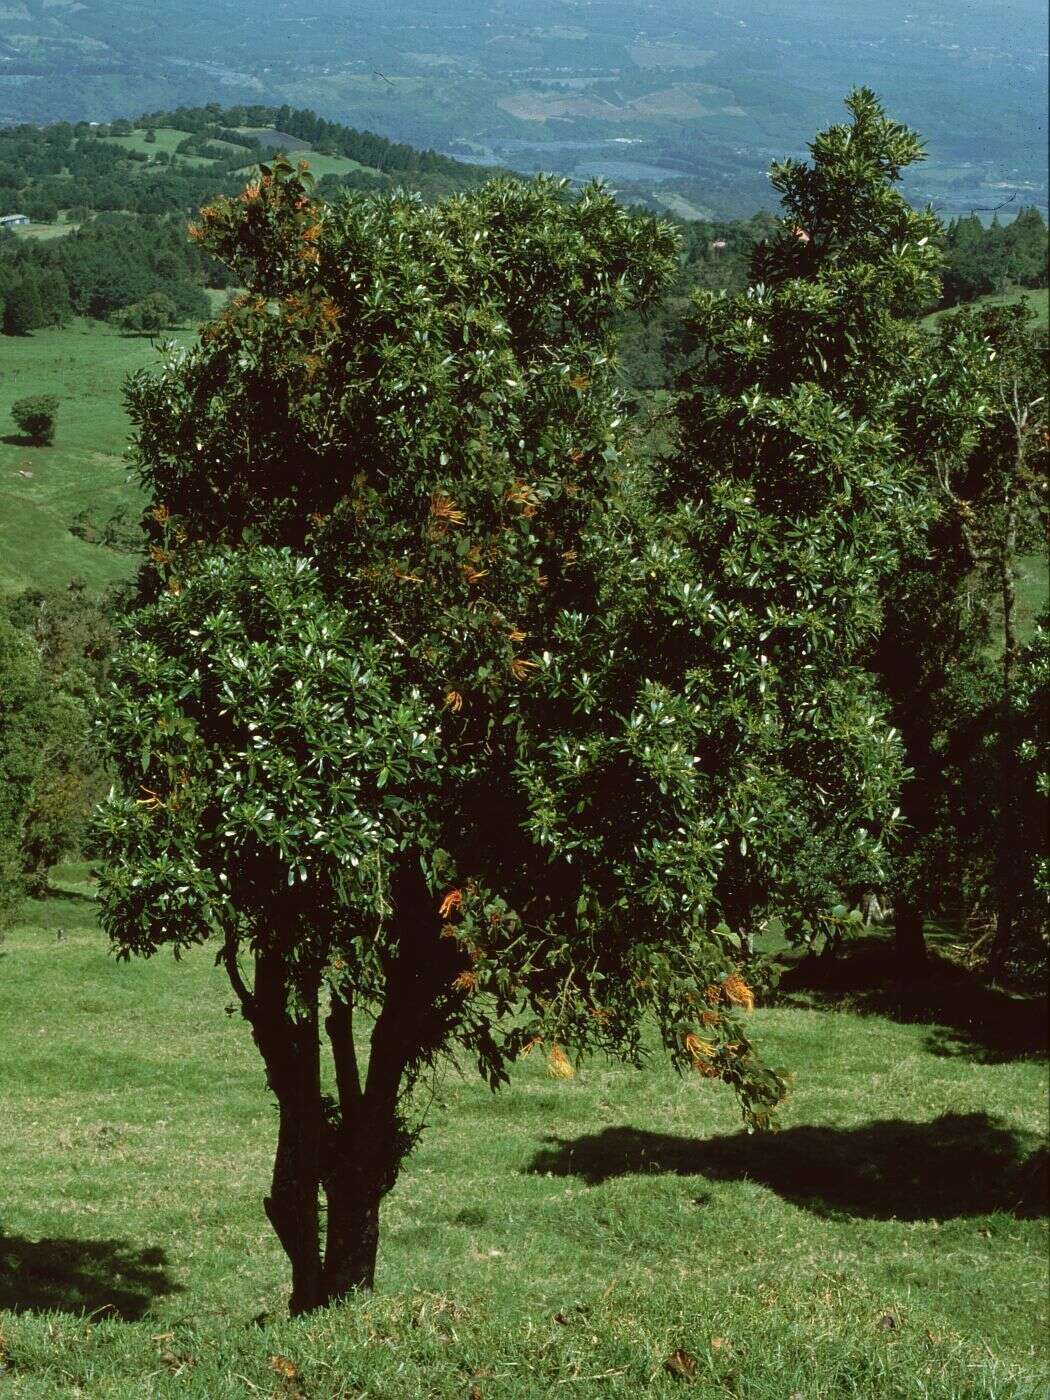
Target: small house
13, 220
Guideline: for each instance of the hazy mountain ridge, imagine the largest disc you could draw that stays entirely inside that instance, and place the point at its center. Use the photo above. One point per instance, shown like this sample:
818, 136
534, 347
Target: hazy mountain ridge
683, 103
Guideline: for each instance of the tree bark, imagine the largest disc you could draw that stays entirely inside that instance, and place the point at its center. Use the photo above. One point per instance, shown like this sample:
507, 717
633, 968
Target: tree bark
908, 939
291, 1052
367, 1147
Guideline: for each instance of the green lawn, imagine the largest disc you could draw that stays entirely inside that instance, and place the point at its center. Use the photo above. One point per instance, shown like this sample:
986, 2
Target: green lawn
559, 1238
43, 488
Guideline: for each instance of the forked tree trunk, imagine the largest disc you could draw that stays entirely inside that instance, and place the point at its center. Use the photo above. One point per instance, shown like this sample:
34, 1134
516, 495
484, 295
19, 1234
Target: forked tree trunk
291, 1052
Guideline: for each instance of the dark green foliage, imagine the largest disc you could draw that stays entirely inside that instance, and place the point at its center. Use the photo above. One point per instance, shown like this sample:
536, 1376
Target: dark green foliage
795, 497
65, 642
23, 311
984, 259
36, 417
20, 722
153, 313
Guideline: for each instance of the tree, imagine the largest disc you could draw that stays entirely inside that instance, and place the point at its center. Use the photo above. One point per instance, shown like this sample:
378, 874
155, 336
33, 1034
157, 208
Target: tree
20, 697
73, 638
153, 313
22, 311
797, 492
452, 623
997, 495
441, 714
36, 417
54, 297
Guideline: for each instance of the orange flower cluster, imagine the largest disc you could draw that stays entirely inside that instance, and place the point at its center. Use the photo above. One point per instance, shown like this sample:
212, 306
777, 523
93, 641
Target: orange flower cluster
522, 494
444, 513
702, 1053
559, 1066
453, 900
738, 992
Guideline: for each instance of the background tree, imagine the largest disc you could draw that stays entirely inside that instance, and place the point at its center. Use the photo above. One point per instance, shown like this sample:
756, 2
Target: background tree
22, 309
20, 701
36, 416
796, 492
152, 314
72, 639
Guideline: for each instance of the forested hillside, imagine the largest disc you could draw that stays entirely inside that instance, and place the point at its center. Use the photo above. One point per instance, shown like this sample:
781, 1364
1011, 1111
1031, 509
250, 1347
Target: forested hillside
108, 207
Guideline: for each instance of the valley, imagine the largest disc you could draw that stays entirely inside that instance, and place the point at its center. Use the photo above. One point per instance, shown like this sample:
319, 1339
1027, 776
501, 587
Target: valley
680, 104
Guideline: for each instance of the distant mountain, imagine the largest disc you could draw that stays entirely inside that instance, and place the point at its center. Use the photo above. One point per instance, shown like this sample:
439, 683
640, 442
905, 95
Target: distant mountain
685, 101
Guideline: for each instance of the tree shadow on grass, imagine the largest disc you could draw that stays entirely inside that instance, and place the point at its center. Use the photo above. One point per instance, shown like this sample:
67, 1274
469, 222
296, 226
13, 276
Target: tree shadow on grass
22, 440
967, 1016
959, 1164
110, 1277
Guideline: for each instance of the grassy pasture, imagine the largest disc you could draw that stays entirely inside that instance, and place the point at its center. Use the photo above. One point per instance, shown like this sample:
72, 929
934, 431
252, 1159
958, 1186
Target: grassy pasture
168, 138
43, 488
559, 1238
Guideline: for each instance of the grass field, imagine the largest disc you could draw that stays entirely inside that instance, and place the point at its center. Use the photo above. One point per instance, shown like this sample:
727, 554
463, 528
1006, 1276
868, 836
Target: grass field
168, 138
43, 488
557, 1239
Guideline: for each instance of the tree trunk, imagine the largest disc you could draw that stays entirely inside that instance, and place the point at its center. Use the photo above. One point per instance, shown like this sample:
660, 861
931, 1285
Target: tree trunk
354, 1191
909, 942
291, 1052
1005, 874
365, 1151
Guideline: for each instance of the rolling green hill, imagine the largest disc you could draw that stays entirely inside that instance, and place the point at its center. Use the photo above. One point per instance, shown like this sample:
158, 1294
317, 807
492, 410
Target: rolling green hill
559, 1238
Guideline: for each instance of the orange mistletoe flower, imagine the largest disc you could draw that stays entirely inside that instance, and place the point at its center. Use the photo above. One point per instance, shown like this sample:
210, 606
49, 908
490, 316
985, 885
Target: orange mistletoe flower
580, 382
159, 556
520, 668
251, 192
471, 574
465, 982
160, 514
443, 507
453, 701
738, 992
453, 900
516, 635
559, 1065
311, 234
